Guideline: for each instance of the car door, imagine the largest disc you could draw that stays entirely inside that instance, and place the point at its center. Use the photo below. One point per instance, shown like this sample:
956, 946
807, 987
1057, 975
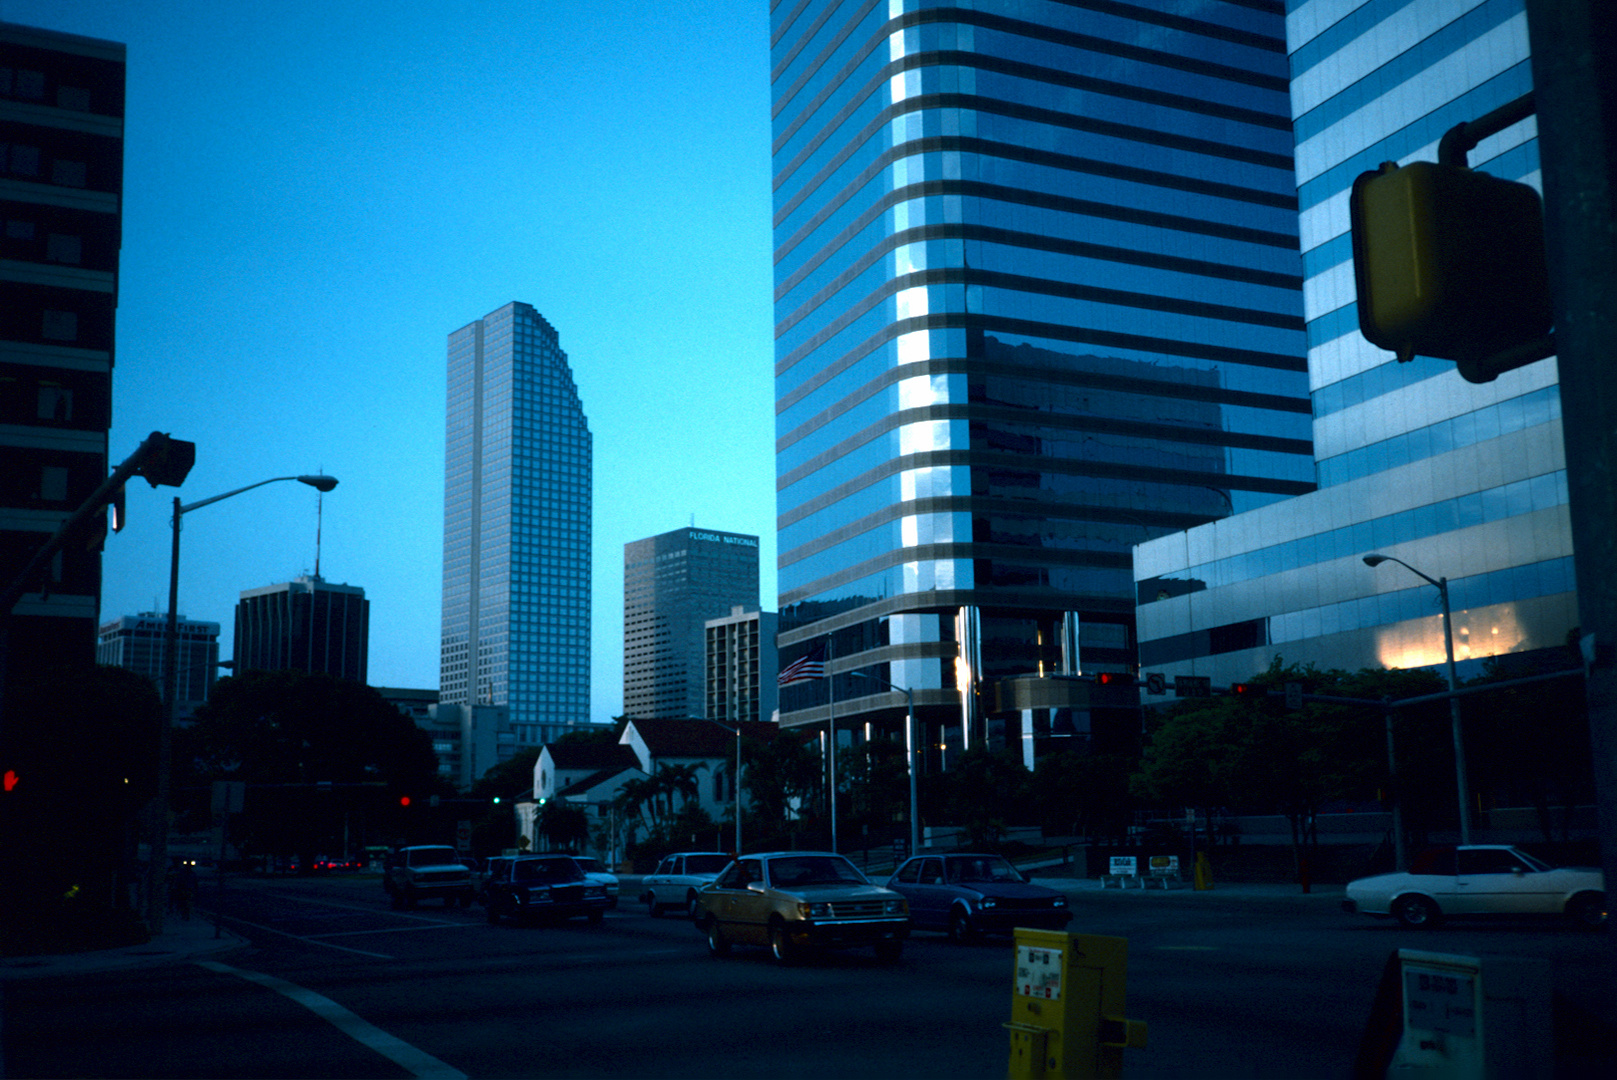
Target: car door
930, 895
1494, 881
658, 883
742, 908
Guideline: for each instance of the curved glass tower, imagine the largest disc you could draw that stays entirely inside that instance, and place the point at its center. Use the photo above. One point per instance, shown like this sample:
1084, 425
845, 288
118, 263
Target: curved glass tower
518, 471
1038, 298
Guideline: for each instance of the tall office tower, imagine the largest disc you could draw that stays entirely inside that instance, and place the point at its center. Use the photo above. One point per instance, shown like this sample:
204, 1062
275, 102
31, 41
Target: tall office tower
518, 471
61, 223
673, 584
306, 624
136, 642
1037, 298
741, 666
1462, 482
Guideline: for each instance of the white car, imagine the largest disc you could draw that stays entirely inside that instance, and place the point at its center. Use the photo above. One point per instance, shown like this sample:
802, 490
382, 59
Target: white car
1480, 879
678, 878
601, 876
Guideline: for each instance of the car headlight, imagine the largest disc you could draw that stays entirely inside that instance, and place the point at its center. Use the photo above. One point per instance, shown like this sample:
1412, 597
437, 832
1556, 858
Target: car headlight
1060, 901
594, 892
896, 907
987, 902
814, 911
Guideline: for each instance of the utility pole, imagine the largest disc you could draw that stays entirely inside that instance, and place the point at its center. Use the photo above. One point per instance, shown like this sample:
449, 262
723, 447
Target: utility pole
1575, 90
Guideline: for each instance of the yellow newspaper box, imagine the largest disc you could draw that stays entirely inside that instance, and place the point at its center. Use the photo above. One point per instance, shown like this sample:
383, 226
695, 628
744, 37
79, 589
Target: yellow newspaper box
1067, 1005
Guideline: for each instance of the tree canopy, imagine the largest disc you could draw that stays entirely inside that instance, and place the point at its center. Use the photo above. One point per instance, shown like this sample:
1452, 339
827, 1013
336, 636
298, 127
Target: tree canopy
308, 745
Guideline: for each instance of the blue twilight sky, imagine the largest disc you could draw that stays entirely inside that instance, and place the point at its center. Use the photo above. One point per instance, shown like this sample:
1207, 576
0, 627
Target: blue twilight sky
317, 194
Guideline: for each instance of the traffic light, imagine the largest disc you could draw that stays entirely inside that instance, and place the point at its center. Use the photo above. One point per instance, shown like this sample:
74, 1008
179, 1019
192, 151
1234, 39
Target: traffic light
1246, 689
1450, 263
1114, 678
167, 460
404, 800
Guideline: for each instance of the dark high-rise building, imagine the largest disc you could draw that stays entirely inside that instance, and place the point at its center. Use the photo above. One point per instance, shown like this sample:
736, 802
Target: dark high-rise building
518, 476
61, 214
672, 585
306, 624
1038, 298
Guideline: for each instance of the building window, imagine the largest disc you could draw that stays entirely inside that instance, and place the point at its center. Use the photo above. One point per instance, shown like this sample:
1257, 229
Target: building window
60, 326
62, 248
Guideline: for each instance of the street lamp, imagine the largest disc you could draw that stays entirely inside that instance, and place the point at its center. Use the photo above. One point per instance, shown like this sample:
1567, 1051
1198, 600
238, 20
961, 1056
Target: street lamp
737, 731
1442, 587
909, 751
157, 883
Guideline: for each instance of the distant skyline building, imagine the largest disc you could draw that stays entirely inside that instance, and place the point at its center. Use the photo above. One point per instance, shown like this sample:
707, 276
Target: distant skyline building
136, 642
1037, 298
1461, 481
673, 584
518, 489
742, 665
61, 223
306, 624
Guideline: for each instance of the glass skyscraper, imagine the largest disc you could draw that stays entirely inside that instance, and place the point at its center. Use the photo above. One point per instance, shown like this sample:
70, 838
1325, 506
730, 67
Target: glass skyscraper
673, 583
1038, 298
518, 474
1464, 482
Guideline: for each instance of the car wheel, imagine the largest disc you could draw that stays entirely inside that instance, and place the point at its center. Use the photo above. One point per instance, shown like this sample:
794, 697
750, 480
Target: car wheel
395, 899
653, 908
596, 916
1416, 912
1588, 910
888, 952
691, 908
465, 899
716, 943
780, 945
493, 913
961, 932
409, 897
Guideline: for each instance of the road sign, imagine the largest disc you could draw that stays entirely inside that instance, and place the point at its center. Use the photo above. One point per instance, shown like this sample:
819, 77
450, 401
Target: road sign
1192, 686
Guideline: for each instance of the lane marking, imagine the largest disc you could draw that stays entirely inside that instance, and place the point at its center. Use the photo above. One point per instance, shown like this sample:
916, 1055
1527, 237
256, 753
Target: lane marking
394, 930
311, 941
418, 1062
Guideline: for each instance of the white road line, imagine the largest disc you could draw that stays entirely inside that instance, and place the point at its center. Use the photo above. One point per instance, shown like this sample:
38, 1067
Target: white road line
311, 941
393, 930
418, 1062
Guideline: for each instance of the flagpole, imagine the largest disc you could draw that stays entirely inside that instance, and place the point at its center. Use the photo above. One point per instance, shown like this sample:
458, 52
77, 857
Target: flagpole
831, 725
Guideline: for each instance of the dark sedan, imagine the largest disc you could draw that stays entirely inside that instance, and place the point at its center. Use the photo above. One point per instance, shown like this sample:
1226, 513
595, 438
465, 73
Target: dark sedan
968, 895
548, 887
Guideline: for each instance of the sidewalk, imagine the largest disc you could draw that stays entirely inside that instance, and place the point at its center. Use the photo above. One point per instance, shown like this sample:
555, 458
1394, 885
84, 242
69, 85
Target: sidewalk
180, 942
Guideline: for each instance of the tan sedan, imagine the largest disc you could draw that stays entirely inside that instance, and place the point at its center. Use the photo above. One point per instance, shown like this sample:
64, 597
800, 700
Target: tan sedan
794, 901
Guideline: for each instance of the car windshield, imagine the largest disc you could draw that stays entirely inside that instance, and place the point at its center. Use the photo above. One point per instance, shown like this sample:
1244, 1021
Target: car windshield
979, 868
813, 870
430, 856
547, 870
706, 864
589, 866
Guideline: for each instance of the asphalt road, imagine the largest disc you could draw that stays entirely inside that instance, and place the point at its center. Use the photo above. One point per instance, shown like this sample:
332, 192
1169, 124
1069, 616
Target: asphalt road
332, 982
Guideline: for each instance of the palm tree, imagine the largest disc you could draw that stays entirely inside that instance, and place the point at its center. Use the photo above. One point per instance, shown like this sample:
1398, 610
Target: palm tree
678, 780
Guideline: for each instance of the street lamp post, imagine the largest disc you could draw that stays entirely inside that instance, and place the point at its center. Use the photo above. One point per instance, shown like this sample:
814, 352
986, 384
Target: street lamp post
157, 881
1442, 587
909, 751
737, 730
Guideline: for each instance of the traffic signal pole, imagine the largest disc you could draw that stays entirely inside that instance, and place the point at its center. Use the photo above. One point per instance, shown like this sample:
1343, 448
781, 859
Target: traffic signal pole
1575, 90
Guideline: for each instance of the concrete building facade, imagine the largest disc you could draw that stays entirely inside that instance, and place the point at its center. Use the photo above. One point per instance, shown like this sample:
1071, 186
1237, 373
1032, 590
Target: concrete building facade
61, 226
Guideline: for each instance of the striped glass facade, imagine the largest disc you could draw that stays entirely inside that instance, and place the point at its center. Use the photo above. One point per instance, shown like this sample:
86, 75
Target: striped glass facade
518, 474
1038, 298
1465, 482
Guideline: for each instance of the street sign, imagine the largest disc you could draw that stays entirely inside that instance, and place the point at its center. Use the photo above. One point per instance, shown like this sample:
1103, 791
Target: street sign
1192, 686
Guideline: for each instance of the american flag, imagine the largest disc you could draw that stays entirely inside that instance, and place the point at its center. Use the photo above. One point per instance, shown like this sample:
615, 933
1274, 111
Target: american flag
811, 665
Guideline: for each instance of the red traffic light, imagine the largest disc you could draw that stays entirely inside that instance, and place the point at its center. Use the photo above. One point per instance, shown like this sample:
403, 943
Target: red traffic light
404, 800
1246, 689
1114, 678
